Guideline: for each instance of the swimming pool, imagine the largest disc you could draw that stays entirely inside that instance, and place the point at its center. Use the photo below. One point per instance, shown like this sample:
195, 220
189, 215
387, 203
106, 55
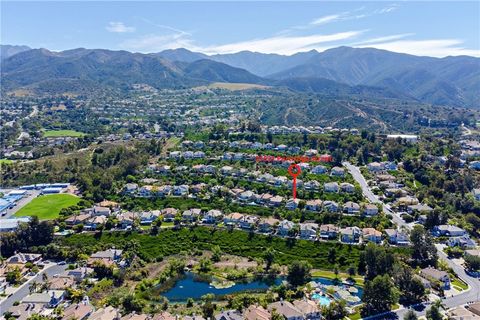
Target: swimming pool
323, 300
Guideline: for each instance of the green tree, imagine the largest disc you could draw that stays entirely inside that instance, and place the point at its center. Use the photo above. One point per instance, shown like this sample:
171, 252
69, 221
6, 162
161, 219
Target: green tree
410, 288
14, 276
472, 262
378, 295
410, 315
269, 257
336, 310
216, 253
424, 252
434, 312
299, 273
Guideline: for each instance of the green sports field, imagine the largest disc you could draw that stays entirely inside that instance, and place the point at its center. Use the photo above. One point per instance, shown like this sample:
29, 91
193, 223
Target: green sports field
62, 133
48, 206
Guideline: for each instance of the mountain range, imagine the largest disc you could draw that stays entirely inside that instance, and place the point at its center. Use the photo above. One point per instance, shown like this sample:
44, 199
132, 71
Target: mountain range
452, 81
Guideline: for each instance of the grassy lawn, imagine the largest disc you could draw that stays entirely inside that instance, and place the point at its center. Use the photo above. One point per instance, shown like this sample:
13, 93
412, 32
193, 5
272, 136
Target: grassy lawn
331, 275
48, 206
6, 161
459, 284
62, 133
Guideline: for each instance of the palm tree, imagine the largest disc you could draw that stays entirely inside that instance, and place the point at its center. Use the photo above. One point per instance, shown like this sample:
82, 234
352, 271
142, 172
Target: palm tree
33, 286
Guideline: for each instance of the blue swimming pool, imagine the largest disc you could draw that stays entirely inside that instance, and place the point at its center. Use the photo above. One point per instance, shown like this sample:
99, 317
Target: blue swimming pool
323, 300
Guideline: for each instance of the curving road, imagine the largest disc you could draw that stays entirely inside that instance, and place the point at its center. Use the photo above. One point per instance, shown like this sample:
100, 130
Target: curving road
24, 289
472, 294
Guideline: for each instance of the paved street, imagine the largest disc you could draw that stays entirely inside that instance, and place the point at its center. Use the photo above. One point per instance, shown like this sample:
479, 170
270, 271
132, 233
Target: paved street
24, 289
472, 294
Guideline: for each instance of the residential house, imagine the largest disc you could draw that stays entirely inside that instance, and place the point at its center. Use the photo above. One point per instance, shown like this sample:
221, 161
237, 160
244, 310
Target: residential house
24, 311
347, 187
276, 201
102, 210
226, 170
463, 242
312, 185
318, 169
267, 225
350, 234
254, 312
229, 315
79, 274
309, 308
419, 208
314, 205
20, 259
396, 237
438, 275
181, 190
337, 171
351, 207
107, 313
108, 257
248, 222
264, 198
330, 206
331, 187
94, 222
371, 235
292, 204
126, 219
212, 216
232, 219
370, 209
191, 215
77, 311
49, 298
148, 217
246, 196
308, 231
285, 227
375, 167
286, 309
77, 219
169, 214
449, 231
328, 231
59, 282
130, 188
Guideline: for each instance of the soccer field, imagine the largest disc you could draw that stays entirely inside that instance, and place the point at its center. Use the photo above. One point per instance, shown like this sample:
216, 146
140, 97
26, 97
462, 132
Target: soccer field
48, 206
62, 133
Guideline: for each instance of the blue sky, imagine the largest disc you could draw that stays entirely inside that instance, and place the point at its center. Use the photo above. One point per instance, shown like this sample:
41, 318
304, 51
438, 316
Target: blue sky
422, 28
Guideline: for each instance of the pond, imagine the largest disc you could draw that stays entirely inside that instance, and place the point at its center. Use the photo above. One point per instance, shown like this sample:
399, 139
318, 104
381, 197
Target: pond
194, 286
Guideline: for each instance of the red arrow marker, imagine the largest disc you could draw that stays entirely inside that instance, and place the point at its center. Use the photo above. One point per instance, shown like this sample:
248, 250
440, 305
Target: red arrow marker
294, 170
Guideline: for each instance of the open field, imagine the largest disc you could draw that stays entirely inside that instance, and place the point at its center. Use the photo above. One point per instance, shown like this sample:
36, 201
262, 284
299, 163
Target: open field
62, 133
48, 206
233, 86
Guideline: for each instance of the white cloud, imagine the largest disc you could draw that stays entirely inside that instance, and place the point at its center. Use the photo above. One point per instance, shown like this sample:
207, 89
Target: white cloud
433, 48
388, 9
156, 43
385, 38
326, 19
277, 44
118, 27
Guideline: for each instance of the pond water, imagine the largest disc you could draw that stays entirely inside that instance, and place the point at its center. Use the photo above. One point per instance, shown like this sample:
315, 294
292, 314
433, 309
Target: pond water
194, 286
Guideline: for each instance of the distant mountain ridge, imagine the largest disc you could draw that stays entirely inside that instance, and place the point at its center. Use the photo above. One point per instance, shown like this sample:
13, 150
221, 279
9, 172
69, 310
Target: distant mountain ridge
448, 81
7, 51
451, 81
